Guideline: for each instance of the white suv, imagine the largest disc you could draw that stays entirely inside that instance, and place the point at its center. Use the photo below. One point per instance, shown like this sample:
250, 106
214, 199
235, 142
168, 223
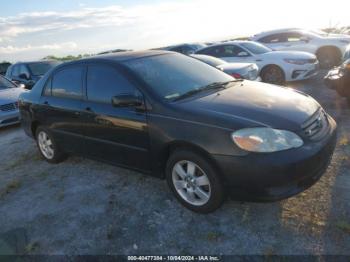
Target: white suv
329, 48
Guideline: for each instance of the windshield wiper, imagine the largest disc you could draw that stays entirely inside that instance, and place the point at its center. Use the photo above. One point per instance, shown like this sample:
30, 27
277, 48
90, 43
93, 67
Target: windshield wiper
214, 85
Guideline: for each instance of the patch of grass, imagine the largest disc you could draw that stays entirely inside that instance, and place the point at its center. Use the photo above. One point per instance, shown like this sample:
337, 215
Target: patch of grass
31, 247
213, 236
10, 187
344, 226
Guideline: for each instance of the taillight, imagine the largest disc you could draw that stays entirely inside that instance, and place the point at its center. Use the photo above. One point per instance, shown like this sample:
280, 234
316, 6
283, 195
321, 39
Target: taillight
235, 75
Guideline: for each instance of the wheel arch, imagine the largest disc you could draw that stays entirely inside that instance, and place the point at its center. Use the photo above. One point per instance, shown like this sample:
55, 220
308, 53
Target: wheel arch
329, 47
265, 67
34, 126
171, 147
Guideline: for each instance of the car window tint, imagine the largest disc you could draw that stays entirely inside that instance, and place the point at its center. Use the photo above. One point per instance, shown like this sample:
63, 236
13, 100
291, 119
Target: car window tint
24, 71
47, 88
68, 83
104, 82
293, 36
275, 38
15, 70
230, 51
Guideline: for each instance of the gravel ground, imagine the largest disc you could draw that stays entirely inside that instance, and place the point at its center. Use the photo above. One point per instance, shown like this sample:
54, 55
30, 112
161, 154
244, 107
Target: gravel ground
85, 207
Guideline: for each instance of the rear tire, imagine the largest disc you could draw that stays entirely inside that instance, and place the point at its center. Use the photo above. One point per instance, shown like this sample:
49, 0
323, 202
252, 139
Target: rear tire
48, 147
273, 74
194, 181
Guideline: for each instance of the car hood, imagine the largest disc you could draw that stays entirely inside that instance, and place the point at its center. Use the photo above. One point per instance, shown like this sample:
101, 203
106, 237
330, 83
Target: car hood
10, 95
288, 54
256, 104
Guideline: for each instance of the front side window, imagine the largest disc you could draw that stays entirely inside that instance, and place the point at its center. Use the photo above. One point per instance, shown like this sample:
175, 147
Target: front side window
231, 51
256, 48
173, 75
68, 82
105, 82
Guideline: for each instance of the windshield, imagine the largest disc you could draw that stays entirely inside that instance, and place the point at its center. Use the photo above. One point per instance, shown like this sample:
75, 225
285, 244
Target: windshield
41, 68
5, 84
210, 60
256, 48
172, 75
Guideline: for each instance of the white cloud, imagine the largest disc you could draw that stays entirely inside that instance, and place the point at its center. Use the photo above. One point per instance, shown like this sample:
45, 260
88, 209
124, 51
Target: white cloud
155, 24
15, 49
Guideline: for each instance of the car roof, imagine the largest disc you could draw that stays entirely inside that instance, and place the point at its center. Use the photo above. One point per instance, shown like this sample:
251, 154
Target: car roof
34, 62
122, 56
236, 42
276, 31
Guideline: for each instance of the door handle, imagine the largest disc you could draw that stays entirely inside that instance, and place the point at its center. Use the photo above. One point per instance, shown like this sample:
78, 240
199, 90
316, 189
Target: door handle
77, 113
88, 109
46, 103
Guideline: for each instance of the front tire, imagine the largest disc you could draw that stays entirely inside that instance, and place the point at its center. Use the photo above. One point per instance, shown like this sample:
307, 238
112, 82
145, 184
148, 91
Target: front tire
194, 181
273, 74
48, 148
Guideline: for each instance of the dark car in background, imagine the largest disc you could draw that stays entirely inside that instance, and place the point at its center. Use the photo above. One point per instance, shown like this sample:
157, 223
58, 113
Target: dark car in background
28, 73
338, 79
248, 71
177, 118
3, 68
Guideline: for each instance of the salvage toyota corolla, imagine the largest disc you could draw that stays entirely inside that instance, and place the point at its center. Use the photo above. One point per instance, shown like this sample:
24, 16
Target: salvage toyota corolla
177, 118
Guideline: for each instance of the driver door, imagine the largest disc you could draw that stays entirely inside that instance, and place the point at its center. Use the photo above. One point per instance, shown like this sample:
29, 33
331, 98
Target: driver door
118, 135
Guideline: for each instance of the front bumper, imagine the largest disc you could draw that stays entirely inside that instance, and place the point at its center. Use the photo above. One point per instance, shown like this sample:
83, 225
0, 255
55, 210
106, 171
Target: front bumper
274, 176
9, 118
302, 72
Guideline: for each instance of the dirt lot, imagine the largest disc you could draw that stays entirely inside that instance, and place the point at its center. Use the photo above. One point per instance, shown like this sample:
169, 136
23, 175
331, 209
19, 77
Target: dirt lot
85, 207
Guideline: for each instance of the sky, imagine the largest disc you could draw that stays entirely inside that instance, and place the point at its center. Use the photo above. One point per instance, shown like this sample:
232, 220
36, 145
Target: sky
33, 29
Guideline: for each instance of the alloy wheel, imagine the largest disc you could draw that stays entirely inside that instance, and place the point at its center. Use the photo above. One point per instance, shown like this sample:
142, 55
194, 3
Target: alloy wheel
45, 145
191, 183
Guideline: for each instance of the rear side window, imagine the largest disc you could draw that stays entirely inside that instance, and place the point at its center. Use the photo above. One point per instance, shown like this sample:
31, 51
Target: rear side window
68, 83
104, 82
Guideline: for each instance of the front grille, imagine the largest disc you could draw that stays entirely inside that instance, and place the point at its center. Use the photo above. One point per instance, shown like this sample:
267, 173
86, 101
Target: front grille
9, 107
317, 126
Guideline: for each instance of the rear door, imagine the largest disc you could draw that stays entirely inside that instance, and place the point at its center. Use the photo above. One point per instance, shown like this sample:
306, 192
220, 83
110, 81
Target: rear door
61, 105
115, 134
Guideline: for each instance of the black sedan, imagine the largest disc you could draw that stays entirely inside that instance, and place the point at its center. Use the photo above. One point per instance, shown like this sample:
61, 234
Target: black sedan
339, 79
177, 118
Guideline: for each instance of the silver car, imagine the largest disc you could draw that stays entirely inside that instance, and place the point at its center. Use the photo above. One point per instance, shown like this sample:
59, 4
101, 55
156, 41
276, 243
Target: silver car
247, 71
9, 93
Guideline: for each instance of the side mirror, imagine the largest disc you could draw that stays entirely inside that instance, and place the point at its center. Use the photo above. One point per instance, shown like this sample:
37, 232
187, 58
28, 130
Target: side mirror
23, 76
126, 100
242, 54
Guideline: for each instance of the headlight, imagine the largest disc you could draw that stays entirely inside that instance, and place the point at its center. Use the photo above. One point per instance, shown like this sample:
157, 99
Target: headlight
296, 61
266, 140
